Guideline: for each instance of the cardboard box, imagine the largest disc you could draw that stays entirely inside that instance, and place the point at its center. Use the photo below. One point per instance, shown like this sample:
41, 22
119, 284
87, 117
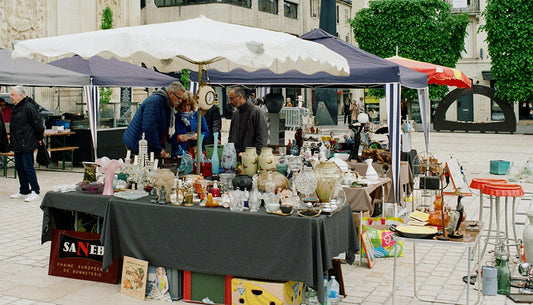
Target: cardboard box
254, 292
198, 287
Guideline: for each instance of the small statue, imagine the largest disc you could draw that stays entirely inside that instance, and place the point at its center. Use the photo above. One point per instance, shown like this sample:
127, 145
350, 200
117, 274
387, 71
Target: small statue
153, 195
162, 196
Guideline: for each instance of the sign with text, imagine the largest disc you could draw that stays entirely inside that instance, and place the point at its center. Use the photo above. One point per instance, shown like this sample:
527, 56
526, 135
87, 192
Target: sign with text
79, 255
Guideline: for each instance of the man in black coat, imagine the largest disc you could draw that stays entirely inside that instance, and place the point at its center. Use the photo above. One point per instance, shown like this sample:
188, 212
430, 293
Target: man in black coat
27, 132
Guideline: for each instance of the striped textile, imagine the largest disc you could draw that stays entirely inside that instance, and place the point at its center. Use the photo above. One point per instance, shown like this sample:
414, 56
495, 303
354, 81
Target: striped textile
392, 92
425, 108
92, 96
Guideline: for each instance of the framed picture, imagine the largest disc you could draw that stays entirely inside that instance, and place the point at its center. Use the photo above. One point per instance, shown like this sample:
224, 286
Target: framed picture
134, 273
367, 245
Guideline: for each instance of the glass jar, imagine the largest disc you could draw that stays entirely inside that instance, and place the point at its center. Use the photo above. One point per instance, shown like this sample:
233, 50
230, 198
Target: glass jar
435, 218
327, 174
306, 182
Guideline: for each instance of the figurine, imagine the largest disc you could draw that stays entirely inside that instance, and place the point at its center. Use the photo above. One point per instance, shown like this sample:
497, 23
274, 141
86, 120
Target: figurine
162, 196
164, 178
153, 195
109, 167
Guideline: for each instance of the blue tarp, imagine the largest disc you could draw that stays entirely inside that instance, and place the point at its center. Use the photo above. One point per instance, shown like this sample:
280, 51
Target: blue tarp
114, 73
366, 70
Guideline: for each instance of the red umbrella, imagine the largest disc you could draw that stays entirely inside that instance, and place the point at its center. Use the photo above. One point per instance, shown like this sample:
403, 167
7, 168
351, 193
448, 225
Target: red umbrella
439, 75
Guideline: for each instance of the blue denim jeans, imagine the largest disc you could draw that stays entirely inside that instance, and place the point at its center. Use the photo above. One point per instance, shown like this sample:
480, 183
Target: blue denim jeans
26, 172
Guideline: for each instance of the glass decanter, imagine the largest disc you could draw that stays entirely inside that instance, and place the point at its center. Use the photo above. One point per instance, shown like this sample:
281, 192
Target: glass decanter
306, 182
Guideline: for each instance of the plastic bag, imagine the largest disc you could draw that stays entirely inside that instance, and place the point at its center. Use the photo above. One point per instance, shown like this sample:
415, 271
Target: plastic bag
382, 242
43, 157
187, 162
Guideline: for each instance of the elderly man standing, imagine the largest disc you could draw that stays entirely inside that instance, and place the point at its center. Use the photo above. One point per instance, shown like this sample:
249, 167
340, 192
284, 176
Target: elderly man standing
248, 126
27, 132
154, 118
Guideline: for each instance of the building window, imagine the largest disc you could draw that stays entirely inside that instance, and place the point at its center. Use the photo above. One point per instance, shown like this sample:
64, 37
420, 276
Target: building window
170, 3
315, 8
338, 14
290, 10
269, 6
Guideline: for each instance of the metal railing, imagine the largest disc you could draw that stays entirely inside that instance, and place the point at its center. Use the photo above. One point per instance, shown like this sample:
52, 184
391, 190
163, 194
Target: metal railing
295, 116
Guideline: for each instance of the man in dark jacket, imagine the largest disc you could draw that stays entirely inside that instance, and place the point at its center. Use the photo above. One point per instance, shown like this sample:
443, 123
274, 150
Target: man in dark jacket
248, 125
153, 118
27, 132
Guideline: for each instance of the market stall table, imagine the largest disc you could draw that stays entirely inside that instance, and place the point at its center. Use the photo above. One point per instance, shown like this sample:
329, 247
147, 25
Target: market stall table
406, 177
215, 240
57, 142
469, 241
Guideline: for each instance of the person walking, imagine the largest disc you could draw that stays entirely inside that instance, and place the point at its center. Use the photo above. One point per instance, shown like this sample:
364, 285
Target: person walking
27, 133
347, 112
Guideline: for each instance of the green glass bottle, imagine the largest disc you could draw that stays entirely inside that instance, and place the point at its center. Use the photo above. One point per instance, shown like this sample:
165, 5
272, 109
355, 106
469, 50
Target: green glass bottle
504, 276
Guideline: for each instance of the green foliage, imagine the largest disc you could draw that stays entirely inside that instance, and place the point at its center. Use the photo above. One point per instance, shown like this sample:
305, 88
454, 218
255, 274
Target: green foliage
423, 30
107, 19
509, 24
185, 75
105, 95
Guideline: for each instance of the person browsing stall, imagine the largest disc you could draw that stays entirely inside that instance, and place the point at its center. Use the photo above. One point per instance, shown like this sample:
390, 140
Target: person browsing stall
153, 118
186, 125
27, 133
248, 126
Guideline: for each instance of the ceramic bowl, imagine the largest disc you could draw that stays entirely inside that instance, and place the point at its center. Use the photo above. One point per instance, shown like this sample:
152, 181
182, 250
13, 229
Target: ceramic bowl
285, 209
272, 207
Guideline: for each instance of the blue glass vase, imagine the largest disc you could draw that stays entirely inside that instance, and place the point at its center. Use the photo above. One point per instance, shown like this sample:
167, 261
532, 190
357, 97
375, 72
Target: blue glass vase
215, 162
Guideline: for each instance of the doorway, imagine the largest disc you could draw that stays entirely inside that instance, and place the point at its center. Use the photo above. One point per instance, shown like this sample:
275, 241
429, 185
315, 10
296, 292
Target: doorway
465, 108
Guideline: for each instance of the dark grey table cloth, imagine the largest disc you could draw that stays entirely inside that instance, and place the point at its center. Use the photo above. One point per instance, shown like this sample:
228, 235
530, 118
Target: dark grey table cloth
71, 201
257, 245
213, 240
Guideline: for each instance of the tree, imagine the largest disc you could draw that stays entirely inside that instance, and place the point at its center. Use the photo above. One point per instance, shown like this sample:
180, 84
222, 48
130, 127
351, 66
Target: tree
509, 24
107, 19
107, 23
423, 30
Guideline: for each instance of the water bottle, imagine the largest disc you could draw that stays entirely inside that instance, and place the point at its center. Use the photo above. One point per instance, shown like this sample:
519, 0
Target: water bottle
312, 297
333, 291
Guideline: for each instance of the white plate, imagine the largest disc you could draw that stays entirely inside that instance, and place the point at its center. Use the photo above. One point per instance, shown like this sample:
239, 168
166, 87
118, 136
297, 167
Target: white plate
131, 195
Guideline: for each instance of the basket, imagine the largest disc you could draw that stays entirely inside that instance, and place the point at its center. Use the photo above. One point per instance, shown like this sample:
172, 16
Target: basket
499, 167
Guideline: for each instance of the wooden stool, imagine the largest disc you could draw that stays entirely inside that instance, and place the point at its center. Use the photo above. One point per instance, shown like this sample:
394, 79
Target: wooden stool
477, 183
499, 190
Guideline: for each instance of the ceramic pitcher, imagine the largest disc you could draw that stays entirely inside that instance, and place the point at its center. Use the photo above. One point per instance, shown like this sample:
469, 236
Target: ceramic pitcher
266, 160
229, 158
249, 161
528, 238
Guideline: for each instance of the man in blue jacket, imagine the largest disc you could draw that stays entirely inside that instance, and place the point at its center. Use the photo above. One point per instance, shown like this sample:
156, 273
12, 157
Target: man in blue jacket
153, 118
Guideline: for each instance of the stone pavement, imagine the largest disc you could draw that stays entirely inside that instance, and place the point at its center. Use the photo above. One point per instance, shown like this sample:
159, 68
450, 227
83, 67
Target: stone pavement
24, 261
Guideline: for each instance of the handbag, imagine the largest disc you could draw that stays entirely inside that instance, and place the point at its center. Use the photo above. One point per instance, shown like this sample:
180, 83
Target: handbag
43, 157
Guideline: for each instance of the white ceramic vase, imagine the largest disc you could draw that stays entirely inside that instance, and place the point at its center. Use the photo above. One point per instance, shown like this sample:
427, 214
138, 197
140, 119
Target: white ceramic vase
266, 160
528, 238
229, 158
371, 173
249, 161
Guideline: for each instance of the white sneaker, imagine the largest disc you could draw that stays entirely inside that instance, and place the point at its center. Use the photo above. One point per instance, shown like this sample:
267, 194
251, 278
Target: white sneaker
33, 196
19, 195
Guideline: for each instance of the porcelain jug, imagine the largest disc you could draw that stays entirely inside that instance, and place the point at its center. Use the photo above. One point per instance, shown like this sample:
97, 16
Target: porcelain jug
249, 161
229, 158
371, 173
266, 160
528, 238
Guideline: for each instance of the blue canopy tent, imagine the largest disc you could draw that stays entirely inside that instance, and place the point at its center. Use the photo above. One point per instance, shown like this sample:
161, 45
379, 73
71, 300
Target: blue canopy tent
109, 73
366, 71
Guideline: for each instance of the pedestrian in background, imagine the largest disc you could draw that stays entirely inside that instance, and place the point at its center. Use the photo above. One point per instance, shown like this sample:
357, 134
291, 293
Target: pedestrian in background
347, 112
27, 133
